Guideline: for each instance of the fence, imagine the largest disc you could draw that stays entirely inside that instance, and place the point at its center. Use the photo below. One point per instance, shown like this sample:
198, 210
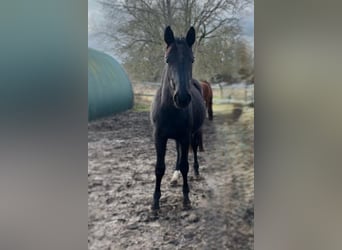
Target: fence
224, 93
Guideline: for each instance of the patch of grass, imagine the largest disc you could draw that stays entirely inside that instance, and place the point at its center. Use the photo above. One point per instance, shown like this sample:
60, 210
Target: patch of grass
222, 108
228, 109
217, 108
140, 107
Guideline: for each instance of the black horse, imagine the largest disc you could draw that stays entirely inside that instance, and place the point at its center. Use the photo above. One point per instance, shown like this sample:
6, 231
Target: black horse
178, 110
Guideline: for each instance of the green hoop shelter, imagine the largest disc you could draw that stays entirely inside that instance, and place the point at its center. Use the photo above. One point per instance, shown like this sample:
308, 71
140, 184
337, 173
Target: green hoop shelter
109, 89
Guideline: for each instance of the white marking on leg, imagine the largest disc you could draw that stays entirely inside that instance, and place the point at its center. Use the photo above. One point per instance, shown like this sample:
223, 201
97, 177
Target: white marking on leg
175, 176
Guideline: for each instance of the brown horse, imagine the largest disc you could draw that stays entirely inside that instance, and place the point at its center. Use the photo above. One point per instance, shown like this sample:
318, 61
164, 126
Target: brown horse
208, 98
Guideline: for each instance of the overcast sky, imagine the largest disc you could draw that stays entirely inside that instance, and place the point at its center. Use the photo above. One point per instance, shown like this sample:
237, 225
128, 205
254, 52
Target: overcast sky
96, 19
247, 23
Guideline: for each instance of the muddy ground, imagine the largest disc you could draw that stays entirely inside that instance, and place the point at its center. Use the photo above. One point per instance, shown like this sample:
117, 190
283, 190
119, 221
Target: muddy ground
121, 159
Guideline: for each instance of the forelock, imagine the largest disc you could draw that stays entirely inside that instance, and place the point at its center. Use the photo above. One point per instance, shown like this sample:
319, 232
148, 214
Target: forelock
180, 46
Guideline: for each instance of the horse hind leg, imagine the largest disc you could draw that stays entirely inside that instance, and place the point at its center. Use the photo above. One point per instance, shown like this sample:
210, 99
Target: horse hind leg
200, 141
160, 145
176, 172
184, 168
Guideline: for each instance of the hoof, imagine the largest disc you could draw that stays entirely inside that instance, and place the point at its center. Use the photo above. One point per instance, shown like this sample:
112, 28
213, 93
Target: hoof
201, 149
154, 215
187, 205
155, 207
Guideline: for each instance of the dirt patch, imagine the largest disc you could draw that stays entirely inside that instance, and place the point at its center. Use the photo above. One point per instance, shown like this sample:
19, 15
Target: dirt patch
121, 159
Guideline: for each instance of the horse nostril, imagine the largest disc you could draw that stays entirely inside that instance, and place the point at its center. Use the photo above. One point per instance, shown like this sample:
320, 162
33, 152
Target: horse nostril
189, 98
175, 98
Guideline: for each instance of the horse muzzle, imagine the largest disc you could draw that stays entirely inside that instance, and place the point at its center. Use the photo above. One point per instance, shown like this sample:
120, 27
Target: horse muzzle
182, 100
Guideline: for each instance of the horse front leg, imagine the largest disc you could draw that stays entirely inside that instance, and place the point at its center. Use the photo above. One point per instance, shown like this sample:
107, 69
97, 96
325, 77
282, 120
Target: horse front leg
184, 168
200, 141
160, 144
176, 172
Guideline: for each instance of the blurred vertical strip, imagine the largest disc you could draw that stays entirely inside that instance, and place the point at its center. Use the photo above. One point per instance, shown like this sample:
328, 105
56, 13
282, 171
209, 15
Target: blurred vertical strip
43, 124
298, 137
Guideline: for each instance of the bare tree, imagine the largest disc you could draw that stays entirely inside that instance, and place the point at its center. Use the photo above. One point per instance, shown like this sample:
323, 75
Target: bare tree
140, 27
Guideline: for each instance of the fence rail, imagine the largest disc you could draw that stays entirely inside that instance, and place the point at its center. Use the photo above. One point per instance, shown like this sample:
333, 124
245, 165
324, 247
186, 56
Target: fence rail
224, 93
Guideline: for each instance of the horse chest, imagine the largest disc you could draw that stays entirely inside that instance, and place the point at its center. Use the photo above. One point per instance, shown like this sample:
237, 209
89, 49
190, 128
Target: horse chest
174, 124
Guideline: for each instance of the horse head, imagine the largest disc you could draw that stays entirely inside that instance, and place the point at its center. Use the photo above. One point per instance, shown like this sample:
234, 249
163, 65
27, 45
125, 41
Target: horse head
179, 58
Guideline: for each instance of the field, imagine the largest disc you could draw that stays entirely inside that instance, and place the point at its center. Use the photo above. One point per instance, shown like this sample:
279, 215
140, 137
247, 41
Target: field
121, 159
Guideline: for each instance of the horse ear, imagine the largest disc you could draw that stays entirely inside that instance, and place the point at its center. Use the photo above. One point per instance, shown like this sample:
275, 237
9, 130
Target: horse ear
168, 36
191, 36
